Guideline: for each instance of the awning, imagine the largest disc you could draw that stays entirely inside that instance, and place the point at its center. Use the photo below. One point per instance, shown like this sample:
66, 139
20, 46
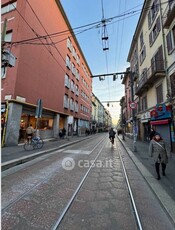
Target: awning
160, 122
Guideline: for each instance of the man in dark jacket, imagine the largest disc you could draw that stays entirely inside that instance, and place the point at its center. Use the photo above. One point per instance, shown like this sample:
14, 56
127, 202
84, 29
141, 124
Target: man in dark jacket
112, 134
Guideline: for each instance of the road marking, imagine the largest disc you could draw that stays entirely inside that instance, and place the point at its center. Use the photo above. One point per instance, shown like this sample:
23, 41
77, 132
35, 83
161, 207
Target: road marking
77, 151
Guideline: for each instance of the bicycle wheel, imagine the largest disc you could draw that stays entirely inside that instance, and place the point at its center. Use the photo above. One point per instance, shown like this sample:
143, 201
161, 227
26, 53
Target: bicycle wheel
40, 143
28, 146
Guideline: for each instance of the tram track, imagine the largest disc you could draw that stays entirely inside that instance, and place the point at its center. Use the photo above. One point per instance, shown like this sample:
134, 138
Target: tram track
66, 209
4, 209
116, 176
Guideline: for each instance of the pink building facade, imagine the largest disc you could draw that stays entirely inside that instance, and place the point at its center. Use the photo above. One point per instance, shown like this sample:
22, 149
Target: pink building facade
49, 65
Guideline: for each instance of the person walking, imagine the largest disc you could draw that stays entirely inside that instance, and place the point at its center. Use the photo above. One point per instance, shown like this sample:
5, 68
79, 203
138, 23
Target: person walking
112, 135
158, 151
152, 134
63, 132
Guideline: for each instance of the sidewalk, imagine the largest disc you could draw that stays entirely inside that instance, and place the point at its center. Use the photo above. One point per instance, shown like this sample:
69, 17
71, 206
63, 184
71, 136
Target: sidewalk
142, 154
14, 155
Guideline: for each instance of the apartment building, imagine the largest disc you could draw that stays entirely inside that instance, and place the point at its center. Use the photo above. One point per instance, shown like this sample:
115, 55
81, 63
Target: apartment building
101, 117
152, 59
47, 82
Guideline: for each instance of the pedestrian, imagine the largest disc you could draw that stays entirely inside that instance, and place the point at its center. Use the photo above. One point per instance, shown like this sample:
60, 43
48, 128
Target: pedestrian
30, 131
60, 134
158, 151
152, 134
112, 135
63, 132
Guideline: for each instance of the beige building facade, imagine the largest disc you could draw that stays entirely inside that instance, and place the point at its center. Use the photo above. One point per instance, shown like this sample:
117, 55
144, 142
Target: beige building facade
152, 60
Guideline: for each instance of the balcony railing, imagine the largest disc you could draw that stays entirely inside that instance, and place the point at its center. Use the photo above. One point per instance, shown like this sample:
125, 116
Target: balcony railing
169, 14
150, 76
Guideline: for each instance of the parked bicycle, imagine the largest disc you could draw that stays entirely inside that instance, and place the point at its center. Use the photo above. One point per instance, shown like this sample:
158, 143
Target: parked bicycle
33, 143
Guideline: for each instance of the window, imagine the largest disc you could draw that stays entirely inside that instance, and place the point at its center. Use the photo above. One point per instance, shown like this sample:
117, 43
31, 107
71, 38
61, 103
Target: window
173, 35
76, 90
155, 31
141, 40
73, 69
142, 55
9, 7
45, 123
157, 62
144, 103
77, 74
159, 93
67, 81
68, 44
153, 12
68, 62
76, 106
74, 53
72, 86
3, 72
78, 59
8, 36
172, 79
71, 104
66, 101
170, 39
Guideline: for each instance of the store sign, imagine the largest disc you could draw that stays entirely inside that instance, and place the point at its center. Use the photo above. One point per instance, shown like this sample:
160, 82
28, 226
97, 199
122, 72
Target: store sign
161, 111
145, 117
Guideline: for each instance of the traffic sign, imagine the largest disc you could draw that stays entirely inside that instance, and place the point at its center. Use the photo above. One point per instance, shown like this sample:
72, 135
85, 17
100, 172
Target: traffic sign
132, 105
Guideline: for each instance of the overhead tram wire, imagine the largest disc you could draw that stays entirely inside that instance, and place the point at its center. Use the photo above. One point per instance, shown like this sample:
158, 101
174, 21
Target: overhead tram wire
108, 20
120, 45
38, 38
105, 41
45, 30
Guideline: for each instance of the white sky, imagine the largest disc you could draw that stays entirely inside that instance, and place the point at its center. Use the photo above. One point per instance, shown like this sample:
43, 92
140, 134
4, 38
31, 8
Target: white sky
120, 29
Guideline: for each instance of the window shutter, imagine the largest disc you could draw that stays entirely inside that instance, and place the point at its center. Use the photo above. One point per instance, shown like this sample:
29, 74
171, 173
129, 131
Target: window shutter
169, 41
158, 24
150, 38
149, 19
159, 93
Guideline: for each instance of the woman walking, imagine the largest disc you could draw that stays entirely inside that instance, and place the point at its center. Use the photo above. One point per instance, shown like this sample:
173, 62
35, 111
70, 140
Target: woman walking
158, 152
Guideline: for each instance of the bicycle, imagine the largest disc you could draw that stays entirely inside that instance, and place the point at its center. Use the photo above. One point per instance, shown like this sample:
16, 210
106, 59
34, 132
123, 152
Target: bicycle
33, 143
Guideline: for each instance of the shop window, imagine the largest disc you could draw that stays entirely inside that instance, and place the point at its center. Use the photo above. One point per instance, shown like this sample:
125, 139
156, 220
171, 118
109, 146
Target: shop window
45, 123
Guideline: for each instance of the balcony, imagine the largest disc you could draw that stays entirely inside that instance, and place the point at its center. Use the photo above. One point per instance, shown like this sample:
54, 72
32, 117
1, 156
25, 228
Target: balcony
169, 14
150, 76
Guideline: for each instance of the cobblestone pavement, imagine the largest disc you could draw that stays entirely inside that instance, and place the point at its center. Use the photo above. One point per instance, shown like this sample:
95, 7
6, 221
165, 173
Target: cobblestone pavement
103, 201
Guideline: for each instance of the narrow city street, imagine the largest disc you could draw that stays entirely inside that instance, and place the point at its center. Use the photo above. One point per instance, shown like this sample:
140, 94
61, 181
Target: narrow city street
87, 185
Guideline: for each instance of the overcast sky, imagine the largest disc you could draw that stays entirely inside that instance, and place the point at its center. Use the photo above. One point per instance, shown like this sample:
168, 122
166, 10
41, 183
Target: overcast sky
121, 19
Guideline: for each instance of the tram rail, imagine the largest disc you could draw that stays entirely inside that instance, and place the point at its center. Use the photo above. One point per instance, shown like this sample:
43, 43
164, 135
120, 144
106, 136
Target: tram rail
97, 151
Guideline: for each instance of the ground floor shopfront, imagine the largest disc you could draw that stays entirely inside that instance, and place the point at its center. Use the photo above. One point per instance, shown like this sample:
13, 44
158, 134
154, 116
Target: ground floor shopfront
18, 116
160, 119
